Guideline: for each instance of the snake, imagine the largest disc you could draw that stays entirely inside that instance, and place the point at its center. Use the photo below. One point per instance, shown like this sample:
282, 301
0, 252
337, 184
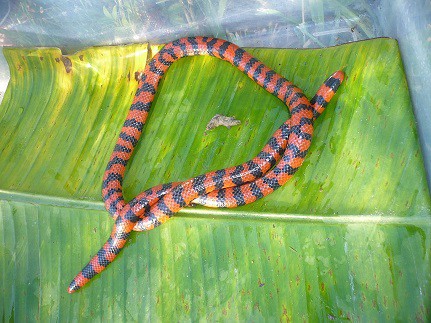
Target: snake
274, 165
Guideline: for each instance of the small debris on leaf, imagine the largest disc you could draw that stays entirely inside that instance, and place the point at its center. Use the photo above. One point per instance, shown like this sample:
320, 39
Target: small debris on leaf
221, 120
67, 63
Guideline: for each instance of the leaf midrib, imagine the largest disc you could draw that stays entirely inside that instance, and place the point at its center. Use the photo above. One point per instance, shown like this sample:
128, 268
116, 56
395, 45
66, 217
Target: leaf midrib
421, 219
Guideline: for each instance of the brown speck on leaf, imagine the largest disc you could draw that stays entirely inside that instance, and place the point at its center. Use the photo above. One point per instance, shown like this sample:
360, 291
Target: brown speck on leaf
221, 120
81, 57
284, 310
57, 60
67, 63
128, 76
41, 58
138, 76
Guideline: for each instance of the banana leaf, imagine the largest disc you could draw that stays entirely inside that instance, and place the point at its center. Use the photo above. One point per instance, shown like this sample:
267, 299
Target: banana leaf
348, 238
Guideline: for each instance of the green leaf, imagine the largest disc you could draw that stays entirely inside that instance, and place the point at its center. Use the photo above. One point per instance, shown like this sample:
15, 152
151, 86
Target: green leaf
106, 12
347, 238
317, 11
114, 13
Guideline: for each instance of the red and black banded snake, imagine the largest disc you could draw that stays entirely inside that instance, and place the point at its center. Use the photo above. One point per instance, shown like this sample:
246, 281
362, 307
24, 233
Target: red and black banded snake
276, 163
